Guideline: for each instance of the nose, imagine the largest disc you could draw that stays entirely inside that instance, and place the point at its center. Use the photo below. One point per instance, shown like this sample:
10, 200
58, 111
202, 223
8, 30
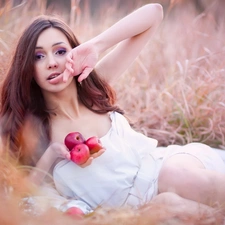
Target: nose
52, 63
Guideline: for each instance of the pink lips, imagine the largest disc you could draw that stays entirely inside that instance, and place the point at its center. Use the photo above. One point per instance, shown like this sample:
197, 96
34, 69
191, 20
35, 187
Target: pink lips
55, 78
52, 76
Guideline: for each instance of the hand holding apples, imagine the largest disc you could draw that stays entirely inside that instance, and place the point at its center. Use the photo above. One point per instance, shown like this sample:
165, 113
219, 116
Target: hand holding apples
80, 154
57, 150
83, 151
94, 144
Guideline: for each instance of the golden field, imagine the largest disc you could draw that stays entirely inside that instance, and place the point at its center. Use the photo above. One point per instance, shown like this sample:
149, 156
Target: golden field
174, 92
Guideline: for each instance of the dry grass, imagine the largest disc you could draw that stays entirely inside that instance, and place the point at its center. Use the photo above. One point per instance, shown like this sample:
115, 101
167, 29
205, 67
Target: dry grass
13, 187
173, 92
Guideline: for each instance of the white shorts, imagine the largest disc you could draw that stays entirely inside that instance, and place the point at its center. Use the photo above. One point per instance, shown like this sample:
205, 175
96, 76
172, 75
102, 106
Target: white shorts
146, 183
210, 159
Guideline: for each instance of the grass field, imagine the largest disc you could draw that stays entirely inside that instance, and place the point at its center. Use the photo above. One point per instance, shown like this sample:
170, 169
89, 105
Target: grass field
174, 91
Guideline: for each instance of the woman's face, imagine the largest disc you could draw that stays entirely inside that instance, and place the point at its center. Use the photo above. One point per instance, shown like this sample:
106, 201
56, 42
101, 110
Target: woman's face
50, 58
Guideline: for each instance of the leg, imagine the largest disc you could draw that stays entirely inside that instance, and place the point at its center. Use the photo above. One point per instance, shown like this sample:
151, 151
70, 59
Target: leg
186, 176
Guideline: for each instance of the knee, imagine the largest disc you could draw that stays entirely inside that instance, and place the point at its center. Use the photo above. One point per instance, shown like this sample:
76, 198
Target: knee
169, 177
166, 198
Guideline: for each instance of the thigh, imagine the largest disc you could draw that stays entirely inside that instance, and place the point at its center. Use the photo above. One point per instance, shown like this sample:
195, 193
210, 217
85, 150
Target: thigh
182, 174
196, 155
185, 175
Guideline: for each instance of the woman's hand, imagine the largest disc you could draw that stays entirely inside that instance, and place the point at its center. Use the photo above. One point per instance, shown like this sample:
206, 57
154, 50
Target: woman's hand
81, 61
59, 150
92, 157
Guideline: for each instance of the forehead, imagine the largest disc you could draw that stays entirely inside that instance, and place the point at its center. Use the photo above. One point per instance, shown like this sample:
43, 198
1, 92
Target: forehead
51, 36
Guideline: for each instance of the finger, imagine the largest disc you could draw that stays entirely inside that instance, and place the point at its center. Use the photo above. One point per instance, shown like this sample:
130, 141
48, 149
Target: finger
85, 73
66, 74
64, 155
97, 154
68, 156
69, 67
69, 57
87, 163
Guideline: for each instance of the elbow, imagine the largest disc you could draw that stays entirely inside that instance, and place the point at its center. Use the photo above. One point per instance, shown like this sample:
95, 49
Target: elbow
155, 11
158, 11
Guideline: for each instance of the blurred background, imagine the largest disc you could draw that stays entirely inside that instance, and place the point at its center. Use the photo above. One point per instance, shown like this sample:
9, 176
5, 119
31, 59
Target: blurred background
175, 90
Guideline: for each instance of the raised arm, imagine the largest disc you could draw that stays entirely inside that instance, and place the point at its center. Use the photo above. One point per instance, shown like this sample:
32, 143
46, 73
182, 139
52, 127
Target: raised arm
132, 33
129, 35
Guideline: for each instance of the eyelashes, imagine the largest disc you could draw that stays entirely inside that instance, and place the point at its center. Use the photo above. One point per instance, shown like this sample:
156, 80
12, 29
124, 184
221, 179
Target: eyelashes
38, 56
61, 51
58, 52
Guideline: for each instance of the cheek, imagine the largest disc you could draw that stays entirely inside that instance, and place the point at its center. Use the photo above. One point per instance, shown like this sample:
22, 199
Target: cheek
38, 68
62, 61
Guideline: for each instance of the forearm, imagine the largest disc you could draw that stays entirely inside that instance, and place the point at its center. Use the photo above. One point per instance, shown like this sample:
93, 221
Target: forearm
135, 23
42, 168
129, 35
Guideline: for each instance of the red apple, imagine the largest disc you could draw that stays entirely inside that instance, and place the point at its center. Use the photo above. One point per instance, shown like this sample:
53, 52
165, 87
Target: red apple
75, 211
72, 139
94, 144
80, 153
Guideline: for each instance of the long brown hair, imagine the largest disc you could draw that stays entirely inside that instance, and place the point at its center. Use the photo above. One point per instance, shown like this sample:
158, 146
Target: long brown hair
22, 96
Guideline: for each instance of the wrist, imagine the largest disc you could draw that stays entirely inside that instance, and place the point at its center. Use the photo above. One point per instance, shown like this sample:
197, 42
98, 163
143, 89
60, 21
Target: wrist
97, 44
50, 153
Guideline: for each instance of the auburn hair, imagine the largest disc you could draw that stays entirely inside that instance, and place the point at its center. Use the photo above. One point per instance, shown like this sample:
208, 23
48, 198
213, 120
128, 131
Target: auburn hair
21, 96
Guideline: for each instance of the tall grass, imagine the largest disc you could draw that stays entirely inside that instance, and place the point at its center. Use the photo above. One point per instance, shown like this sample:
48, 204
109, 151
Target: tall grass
174, 92
175, 89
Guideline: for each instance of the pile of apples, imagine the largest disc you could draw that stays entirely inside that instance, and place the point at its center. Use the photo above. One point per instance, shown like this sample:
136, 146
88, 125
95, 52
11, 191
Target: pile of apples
81, 149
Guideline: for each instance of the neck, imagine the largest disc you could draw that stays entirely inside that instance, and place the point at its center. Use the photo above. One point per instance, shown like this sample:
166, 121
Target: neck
65, 103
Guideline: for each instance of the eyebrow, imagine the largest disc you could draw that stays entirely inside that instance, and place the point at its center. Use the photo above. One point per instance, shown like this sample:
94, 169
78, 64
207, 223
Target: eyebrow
57, 43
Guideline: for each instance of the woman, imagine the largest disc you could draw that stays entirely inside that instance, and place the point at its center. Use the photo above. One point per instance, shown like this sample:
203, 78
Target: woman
51, 90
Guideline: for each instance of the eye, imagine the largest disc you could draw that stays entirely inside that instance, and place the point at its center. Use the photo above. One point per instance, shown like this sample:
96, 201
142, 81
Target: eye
38, 56
61, 52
